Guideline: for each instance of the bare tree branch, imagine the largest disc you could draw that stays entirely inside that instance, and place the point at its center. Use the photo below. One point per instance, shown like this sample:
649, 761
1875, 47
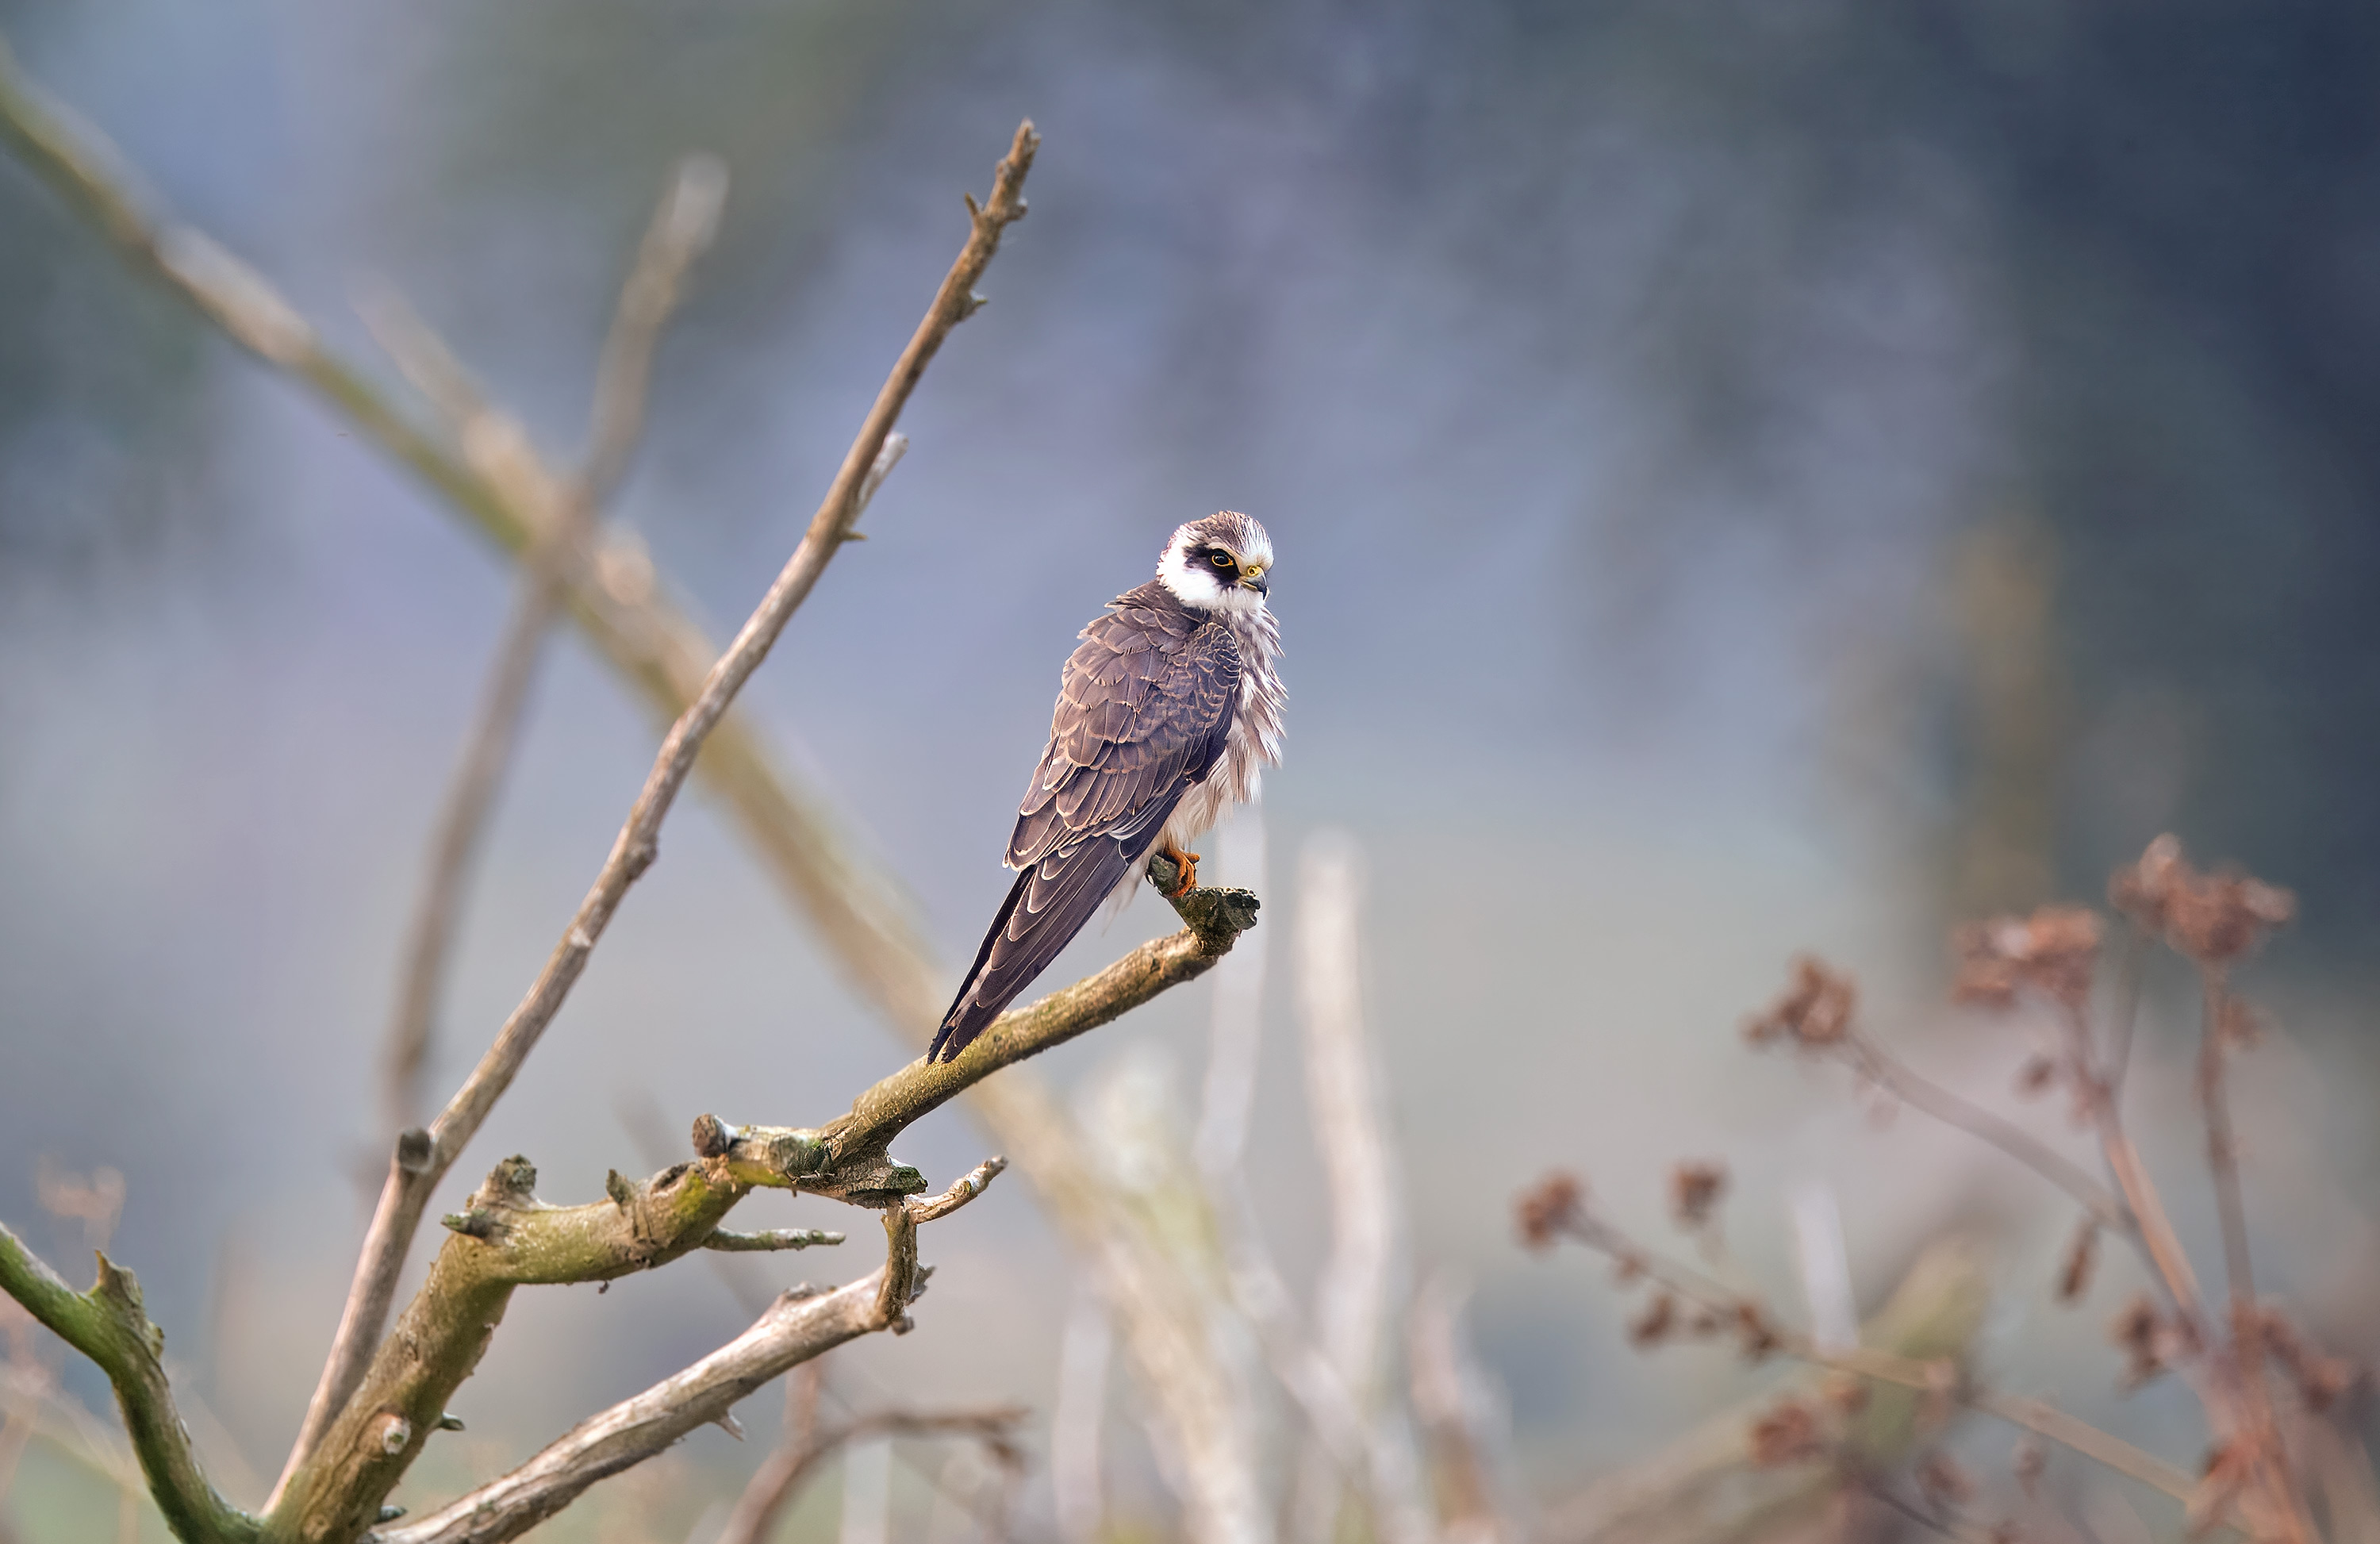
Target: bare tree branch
505, 1237
408, 1191
769, 1239
107, 1324
860, 913
795, 1330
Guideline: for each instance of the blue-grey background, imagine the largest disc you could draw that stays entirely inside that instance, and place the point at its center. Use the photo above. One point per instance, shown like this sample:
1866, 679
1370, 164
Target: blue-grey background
1746, 478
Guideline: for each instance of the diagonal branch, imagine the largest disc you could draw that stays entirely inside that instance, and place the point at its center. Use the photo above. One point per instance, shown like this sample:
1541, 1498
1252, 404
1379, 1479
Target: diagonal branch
409, 1189
107, 1324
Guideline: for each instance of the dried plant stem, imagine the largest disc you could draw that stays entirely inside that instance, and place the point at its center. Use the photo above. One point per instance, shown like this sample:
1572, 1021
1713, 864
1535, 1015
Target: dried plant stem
1896, 1078
2153, 1229
2247, 1320
1943, 1378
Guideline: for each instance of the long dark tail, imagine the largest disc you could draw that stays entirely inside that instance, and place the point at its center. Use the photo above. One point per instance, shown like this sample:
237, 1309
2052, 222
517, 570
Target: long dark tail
1046, 907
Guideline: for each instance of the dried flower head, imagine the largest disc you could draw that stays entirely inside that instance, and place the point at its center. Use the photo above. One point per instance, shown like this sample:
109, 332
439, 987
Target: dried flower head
2075, 1275
1944, 1481
1550, 1208
1694, 1192
2140, 1332
1846, 1392
1653, 1326
2055, 952
1814, 1013
1787, 1433
2210, 918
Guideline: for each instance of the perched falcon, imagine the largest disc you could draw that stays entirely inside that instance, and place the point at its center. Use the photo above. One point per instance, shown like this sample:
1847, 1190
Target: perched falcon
1169, 709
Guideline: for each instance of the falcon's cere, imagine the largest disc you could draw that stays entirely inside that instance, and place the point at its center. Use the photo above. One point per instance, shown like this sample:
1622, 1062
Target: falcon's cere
1169, 711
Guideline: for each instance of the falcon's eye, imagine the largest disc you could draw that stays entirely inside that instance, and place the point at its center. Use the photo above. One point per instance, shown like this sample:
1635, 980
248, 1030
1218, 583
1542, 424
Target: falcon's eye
1221, 560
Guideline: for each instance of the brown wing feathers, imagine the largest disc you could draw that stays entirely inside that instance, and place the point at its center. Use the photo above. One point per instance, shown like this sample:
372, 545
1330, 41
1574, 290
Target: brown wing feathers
1144, 709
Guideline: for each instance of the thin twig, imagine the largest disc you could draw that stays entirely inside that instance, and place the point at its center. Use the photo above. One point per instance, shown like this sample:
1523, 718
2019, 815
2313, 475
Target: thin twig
764, 1499
1888, 1072
407, 1192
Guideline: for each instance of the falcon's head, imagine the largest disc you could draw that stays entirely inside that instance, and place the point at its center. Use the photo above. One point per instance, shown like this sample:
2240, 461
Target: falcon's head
1221, 563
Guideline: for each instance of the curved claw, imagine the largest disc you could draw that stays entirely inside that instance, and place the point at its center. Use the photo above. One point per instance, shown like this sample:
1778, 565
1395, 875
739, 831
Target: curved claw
1187, 866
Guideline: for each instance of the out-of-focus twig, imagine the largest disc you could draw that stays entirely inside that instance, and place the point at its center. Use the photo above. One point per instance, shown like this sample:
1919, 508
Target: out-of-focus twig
1896, 1077
1077, 1481
1451, 1403
764, 1499
1355, 1298
682, 226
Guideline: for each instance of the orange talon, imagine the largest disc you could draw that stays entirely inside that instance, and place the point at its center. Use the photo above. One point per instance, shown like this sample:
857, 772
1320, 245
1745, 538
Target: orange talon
1188, 865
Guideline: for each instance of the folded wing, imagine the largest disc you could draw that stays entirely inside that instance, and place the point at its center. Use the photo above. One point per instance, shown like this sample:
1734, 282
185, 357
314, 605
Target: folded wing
1143, 714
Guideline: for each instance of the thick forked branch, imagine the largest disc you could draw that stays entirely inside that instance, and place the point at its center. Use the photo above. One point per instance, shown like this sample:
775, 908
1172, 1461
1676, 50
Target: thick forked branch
795, 1329
506, 1238
107, 1324
408, 1191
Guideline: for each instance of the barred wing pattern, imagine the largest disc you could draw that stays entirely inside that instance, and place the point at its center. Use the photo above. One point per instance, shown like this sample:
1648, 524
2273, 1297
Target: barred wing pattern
1144, 711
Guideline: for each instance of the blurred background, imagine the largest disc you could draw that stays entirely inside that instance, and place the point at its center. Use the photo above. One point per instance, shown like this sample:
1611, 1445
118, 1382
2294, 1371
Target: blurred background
1746, 478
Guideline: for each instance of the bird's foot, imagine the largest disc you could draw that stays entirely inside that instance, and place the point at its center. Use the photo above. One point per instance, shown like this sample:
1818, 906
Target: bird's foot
1187, 866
